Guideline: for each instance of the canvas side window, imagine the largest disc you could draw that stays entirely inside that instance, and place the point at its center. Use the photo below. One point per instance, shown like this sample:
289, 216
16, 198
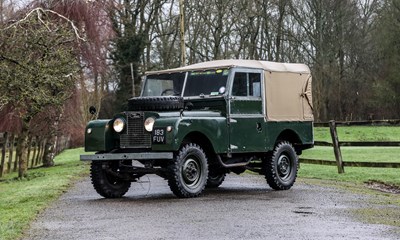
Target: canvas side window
246, 84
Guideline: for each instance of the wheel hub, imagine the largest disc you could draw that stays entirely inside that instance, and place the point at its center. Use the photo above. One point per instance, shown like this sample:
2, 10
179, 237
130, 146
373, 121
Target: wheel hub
284, 166
191, 172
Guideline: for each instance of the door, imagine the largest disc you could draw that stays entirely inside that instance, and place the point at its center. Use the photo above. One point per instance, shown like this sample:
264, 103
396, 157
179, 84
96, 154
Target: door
246, 112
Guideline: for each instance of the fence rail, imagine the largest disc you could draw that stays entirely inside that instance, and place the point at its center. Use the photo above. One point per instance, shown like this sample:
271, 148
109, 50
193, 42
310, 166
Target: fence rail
336, 144
393, 122
359, 144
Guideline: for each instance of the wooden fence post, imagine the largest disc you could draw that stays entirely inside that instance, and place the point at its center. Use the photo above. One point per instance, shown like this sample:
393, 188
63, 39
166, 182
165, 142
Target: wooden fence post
336, 146
3, 153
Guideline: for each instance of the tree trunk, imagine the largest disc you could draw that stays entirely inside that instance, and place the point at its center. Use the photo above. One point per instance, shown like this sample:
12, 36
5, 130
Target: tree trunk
182, 32
35, 140
1, 12
29, 150
279, 35
10, 153
49, 152
3, 153
51, 144
22, 150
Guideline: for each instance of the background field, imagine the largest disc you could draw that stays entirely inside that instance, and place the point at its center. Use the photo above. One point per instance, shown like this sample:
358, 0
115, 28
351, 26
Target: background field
366, 154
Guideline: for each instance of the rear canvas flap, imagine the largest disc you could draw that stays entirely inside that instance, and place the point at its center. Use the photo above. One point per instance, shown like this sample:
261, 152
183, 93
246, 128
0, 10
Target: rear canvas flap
288, 96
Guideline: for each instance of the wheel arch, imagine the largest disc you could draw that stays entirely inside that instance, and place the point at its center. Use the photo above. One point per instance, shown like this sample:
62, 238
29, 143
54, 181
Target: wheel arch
202, 140
292, 137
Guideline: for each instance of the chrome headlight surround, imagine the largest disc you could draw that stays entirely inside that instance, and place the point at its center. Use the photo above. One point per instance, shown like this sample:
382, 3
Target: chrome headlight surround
149, 123
119, 125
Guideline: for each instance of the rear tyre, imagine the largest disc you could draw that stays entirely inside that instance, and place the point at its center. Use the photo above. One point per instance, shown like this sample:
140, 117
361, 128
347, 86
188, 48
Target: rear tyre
105, 181
188, 172
281, 166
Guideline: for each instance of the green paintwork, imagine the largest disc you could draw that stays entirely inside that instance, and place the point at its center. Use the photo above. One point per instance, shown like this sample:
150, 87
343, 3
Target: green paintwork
246, 130
303, 130
247, 134
101, 138
211, 124
246, 106
242, 135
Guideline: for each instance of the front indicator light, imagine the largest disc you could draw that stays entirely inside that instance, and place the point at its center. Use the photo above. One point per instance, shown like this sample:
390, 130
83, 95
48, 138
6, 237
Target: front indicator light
148, 124
119, 125
169, 128
89, 131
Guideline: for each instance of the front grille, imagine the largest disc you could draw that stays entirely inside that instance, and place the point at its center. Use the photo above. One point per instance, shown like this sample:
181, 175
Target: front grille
136, 136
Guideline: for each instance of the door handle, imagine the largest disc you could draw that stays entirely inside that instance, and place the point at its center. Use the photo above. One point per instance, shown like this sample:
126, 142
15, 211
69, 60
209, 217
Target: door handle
259, 127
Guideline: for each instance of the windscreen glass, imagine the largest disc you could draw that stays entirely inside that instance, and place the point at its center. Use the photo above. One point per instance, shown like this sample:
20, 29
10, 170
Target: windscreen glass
169, 84
209, 82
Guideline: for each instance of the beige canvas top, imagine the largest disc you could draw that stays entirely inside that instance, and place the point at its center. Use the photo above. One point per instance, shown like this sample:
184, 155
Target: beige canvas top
287, 86
265, 65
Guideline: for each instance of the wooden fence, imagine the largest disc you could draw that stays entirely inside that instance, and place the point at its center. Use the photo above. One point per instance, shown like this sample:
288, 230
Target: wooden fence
36, 145
336, 144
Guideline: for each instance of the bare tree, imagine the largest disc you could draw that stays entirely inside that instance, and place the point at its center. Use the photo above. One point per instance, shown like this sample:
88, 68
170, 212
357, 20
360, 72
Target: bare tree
164, 44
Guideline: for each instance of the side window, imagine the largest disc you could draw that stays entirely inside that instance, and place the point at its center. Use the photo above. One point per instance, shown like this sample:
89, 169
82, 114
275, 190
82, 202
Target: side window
239, 87
254, 84
246, 84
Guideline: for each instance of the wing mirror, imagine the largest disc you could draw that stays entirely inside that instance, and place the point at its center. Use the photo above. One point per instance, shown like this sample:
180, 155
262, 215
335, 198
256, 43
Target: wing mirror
92, 110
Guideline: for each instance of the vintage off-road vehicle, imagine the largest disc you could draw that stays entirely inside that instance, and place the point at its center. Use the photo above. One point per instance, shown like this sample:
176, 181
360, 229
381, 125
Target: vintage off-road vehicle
193, 125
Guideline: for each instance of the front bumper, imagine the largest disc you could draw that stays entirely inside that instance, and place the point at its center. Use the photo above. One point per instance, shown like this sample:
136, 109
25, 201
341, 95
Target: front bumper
127, 156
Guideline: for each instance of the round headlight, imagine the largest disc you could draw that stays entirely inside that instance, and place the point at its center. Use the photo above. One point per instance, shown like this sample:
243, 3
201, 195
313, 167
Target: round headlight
119, 125
148, 124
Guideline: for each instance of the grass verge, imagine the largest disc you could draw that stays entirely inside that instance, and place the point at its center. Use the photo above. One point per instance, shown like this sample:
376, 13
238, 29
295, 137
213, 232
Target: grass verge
365, 154
22, 200
353, 174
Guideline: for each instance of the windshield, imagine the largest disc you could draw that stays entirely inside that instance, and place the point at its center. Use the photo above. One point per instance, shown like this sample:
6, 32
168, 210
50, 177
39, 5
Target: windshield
164, 84
209, 82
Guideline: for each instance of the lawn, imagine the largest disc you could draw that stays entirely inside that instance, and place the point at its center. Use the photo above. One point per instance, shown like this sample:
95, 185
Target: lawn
367, 154
21, 200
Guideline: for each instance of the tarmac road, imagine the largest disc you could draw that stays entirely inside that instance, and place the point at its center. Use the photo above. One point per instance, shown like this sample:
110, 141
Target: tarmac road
244, 207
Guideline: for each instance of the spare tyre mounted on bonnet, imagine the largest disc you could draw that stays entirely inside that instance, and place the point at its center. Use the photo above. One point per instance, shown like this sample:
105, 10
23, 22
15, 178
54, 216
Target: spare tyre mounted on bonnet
155, 103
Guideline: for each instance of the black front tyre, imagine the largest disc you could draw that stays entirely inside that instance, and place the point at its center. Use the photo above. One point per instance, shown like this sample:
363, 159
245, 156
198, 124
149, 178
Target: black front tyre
281, 166
104, 180
188, 172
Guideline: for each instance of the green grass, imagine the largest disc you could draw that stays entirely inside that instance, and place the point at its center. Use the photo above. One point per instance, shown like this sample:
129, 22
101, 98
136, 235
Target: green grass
22, 200
365, 154
362, 133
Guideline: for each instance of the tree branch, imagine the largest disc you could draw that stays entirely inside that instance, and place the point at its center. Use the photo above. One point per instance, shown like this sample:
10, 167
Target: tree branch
39, 12
3, 58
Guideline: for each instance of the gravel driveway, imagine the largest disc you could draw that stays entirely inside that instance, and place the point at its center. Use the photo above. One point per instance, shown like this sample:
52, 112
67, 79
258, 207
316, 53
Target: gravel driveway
244, 207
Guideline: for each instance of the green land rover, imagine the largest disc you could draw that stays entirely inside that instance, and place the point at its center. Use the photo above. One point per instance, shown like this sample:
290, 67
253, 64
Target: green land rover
195, 124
